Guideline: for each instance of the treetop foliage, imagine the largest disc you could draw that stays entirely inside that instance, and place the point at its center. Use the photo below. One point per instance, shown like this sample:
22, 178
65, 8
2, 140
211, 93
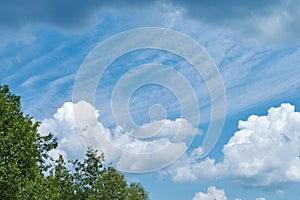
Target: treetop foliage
26, 173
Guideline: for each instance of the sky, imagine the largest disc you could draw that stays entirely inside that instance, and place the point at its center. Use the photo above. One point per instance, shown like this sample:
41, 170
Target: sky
196, 100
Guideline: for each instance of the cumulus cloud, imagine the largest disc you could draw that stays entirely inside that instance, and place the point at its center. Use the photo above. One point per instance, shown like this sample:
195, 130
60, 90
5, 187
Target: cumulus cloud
263, 152
126, 152
62, 125
212, 194
266, 148
192, 168
260, 198
167, 128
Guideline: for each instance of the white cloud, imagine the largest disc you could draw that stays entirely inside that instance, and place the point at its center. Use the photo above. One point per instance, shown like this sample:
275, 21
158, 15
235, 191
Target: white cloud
212, 194
267, 147
62, 125
128, 153
177, 130
264, 151
260, 198
190, 168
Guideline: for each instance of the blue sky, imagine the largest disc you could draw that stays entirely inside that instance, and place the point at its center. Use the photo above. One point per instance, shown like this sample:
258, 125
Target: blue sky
255, 47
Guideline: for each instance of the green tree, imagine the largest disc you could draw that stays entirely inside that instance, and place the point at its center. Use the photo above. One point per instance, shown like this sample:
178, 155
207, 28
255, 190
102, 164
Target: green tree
135, 191
21, 150
25, 174
60, 180
90, 179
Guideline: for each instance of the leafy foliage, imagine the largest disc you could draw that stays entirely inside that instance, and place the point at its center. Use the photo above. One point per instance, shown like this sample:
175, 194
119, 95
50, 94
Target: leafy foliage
20, 152
26, 173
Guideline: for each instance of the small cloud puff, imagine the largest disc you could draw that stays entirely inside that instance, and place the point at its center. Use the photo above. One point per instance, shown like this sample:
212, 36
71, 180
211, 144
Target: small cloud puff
212, 194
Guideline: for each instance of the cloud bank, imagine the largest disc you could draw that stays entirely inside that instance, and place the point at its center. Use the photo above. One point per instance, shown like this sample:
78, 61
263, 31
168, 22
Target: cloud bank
268, 22
265, 151
119, 147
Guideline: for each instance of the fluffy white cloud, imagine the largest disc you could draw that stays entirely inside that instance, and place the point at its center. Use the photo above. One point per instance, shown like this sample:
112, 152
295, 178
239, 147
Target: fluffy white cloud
260, 198
190, 168
62, 125
212, 194
266, 148
128, 153
264, 151
177, 130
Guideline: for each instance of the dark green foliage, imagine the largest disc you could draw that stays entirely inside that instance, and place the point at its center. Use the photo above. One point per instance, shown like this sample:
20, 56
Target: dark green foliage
136, 192
91, 180
25, 174
20, 150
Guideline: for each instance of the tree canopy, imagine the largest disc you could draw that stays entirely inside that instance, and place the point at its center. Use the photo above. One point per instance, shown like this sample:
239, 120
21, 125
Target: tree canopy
26, 174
